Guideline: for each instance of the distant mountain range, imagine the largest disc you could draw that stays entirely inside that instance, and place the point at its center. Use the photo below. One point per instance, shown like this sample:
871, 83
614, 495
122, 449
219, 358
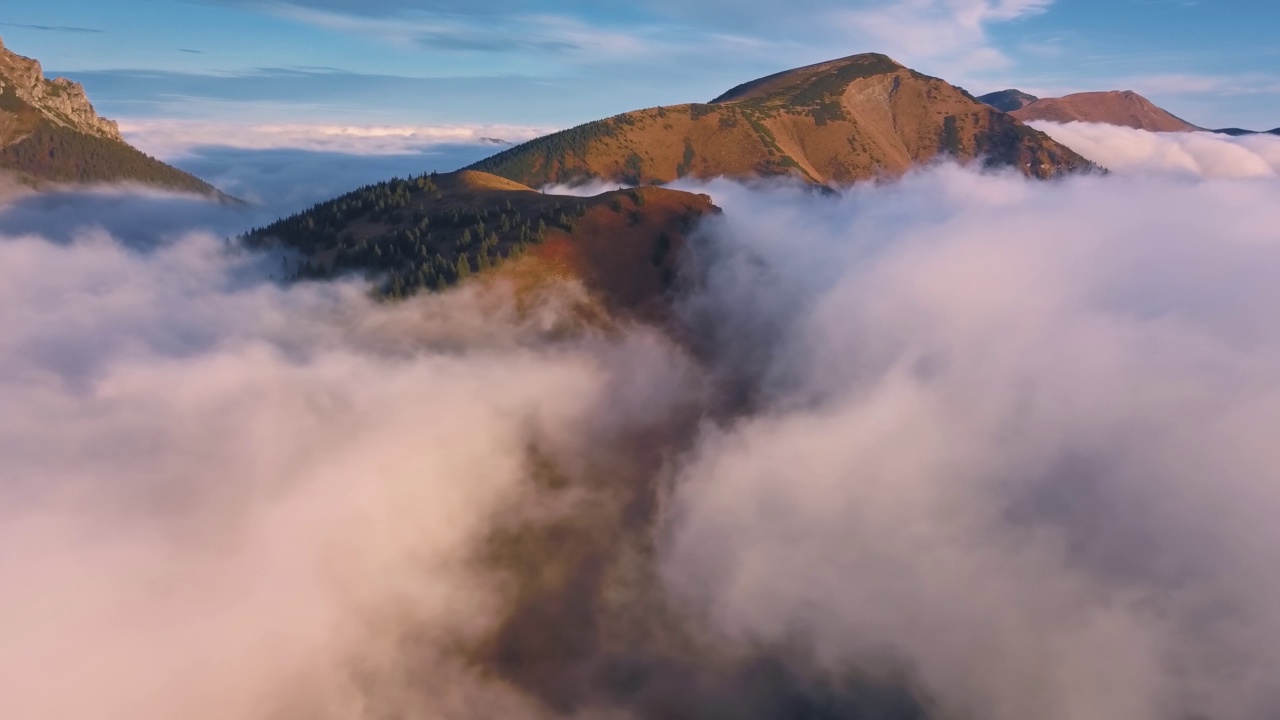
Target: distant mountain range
856, 118
837, 122
1238, 132
50, 133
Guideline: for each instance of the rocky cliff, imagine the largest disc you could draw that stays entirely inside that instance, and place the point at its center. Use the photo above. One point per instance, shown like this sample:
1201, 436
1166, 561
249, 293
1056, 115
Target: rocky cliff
61, 100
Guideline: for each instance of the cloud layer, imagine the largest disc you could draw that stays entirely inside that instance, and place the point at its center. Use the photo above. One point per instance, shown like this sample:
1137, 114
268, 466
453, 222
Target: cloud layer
1008, 439
227, 499
963, 445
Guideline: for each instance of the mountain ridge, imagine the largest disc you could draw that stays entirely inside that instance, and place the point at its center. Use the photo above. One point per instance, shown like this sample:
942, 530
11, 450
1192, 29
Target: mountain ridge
856, 118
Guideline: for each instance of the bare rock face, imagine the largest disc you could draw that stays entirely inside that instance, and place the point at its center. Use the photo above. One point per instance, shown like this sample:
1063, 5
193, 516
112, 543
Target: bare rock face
60, 100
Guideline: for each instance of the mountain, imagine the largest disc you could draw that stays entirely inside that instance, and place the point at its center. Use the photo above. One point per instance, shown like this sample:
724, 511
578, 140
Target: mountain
49, 132
433, 231
1126, 108
1008, 100
1240, 132
856, 118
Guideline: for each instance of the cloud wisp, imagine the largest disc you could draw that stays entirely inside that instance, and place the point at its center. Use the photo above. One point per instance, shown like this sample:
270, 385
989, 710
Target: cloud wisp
572, 32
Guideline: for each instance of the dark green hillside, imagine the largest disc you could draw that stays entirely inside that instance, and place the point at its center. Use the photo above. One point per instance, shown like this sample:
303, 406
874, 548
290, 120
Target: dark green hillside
422, 233
59, 154
433, 231
566, 149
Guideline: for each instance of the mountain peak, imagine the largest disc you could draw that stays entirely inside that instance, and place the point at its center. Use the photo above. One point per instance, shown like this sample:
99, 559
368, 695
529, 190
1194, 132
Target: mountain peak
856, 118
1008, 100
831, 76
1113, 107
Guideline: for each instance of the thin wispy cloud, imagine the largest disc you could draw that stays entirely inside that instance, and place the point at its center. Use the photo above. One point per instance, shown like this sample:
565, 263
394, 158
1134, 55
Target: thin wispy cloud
1199, 84
176, 138
54, 28
933, 30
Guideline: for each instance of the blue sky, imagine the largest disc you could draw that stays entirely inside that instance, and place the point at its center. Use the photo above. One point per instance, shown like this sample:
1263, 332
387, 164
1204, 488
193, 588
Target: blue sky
512, 67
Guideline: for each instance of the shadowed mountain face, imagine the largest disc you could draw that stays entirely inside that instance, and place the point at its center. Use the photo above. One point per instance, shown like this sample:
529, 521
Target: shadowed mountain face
1008, 100
49, 132
434, 231
857, 118
1127, 109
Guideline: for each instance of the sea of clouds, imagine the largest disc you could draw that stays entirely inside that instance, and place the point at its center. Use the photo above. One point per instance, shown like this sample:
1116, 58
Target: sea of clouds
963, 445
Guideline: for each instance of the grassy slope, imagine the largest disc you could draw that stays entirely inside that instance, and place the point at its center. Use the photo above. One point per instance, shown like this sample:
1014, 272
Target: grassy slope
852, 119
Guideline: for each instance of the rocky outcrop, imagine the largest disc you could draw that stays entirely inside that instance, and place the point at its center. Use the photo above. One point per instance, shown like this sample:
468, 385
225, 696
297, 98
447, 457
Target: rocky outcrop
60, 100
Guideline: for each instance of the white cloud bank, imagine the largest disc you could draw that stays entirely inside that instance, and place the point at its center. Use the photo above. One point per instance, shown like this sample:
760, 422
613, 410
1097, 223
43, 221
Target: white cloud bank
172, 138
1008, 442
1013, 439
222, 499
1197, 154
